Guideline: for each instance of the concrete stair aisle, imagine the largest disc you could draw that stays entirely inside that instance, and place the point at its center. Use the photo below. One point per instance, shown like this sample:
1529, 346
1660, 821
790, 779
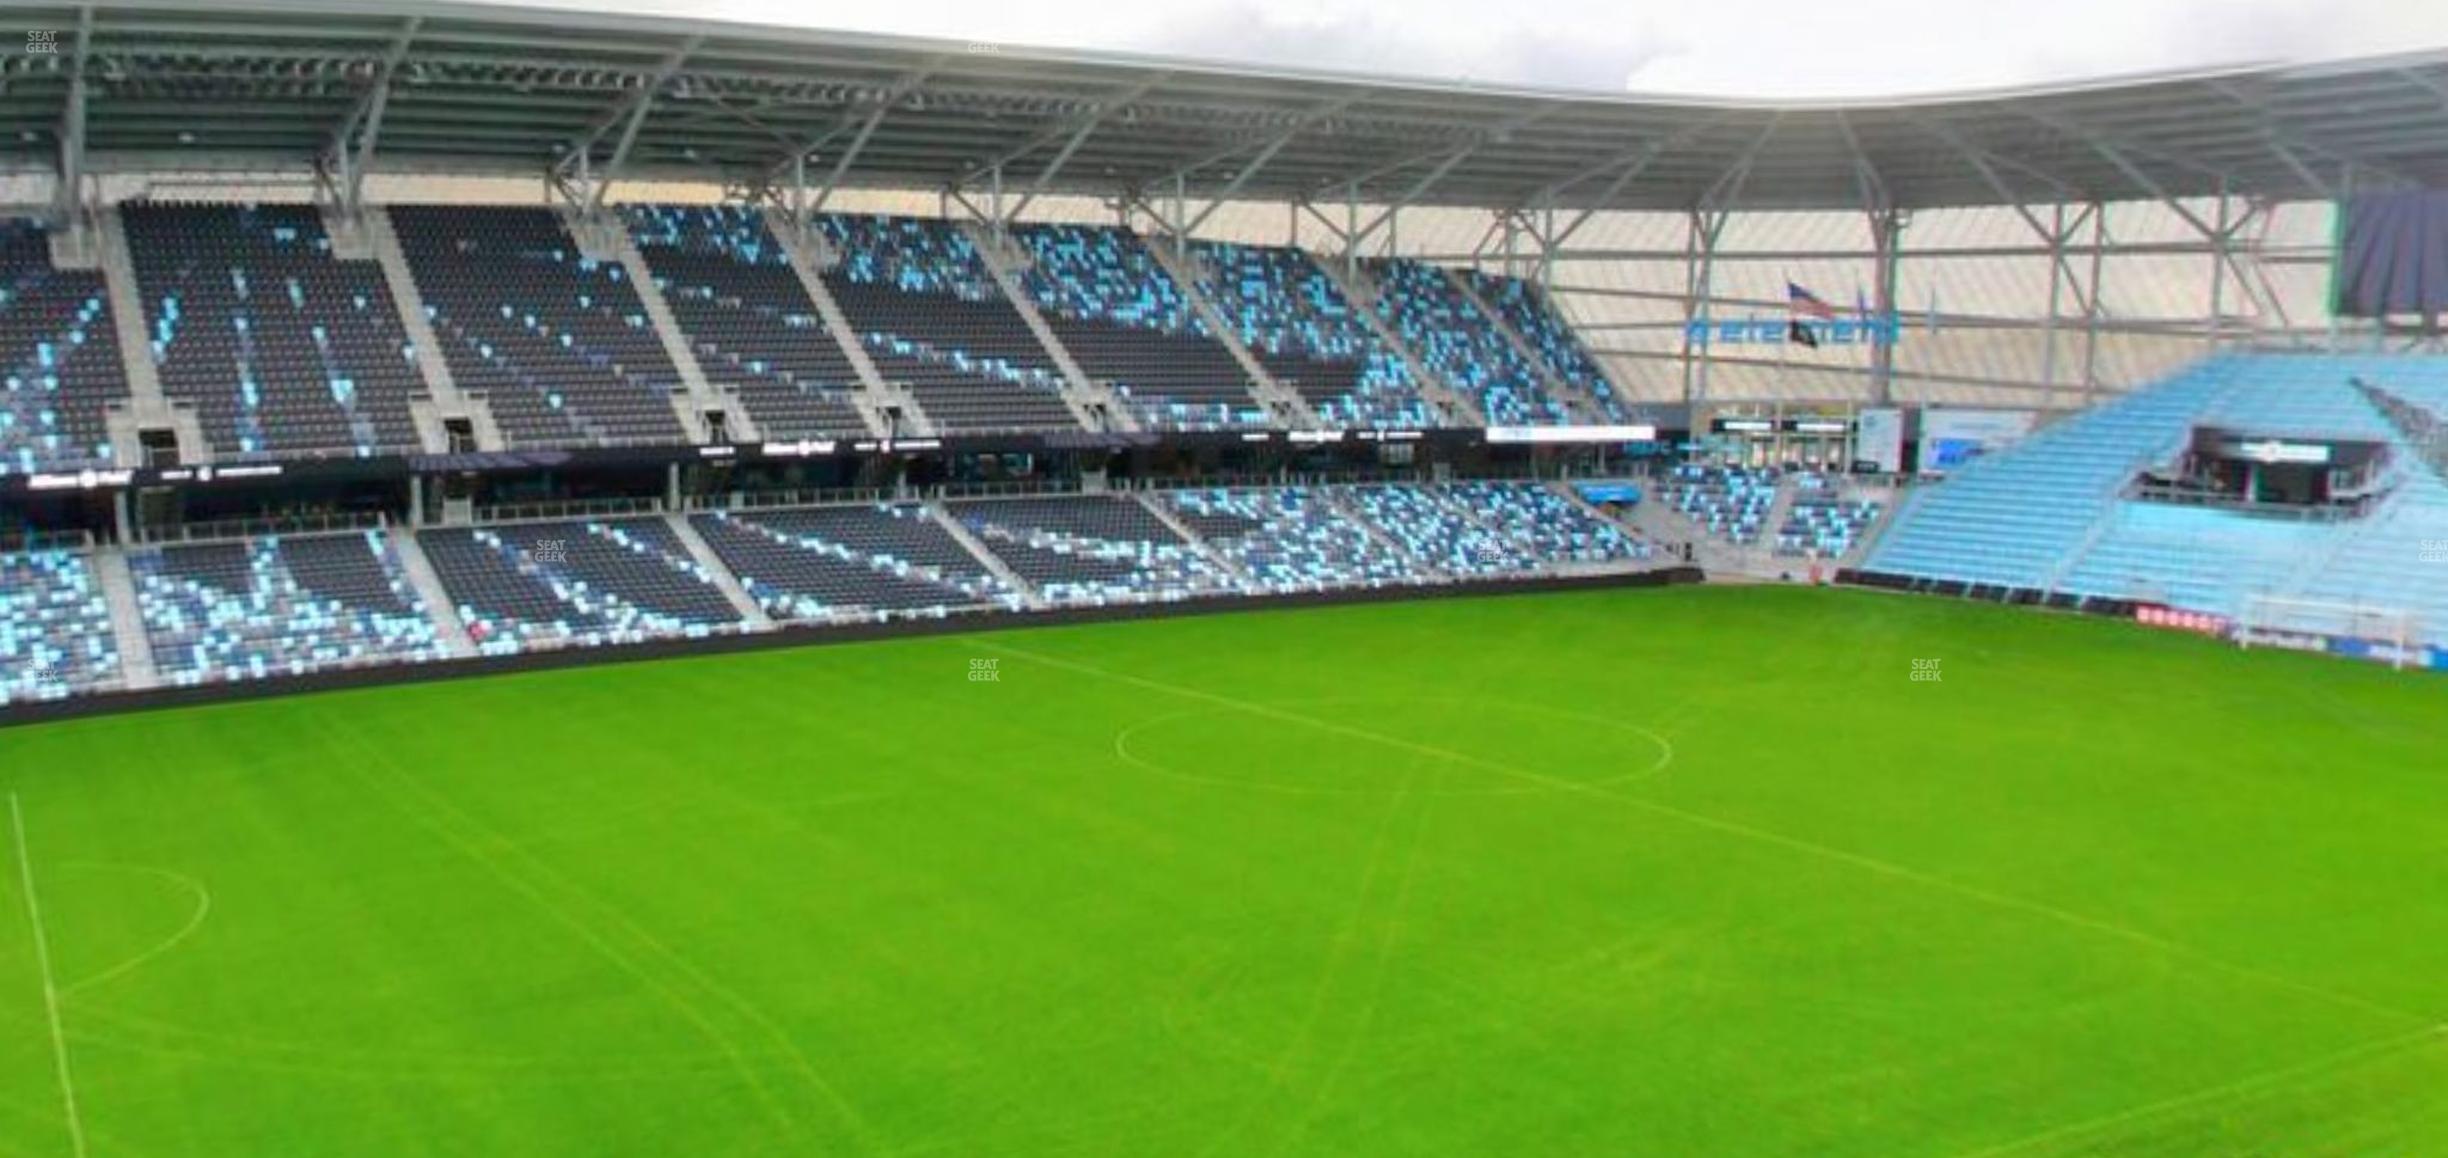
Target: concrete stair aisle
750, 613
1361, 292
1084, 395
446, 401
1197, 541
1182, 267
439, 607
986, 557
1584, 408
147, 408
611, 235
1667, 527
875, 394
136, 667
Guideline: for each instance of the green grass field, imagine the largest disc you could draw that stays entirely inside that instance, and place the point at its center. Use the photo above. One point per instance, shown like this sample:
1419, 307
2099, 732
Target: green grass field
1639, 872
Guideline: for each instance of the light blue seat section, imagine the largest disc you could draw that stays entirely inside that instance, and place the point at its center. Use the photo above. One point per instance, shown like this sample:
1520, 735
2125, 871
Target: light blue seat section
55, 628
2014, 517
2044, 513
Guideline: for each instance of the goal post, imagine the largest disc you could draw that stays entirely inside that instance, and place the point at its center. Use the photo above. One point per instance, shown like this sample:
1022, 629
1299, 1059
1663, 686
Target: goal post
2373, 631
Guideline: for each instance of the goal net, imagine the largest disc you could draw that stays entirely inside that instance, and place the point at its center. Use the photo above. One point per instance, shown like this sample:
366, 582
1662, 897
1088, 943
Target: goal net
2390, 634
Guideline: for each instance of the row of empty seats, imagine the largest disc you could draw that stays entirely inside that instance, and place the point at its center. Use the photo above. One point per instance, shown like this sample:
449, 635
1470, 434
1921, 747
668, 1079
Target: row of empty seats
559, 342
281, 348
1459, 342
1295, 320
1730, 503
59, 358
1823, 523
1091, 550
1533, 315
2051, 512
1128, 324
748, 318
524, 586
279, 606
1290, 538
847, 563
284, 349
2015, 518
234, 611
922, 300
55, 627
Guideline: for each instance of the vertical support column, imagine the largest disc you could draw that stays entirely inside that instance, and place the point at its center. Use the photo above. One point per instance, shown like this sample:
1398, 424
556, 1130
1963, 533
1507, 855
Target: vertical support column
1886, 231
1699, 271
2056, 298
1548, 240
2091, 316
2337, 243
1351, 231
2221, 232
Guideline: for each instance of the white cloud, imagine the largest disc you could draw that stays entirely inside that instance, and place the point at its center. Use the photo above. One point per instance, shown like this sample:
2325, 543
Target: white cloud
1756, 48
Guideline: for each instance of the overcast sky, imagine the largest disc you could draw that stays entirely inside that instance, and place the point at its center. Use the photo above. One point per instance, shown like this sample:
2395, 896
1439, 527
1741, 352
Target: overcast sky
1764, 48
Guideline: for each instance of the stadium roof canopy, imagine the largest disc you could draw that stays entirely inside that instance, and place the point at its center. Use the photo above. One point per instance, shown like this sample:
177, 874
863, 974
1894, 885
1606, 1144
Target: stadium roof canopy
403, 86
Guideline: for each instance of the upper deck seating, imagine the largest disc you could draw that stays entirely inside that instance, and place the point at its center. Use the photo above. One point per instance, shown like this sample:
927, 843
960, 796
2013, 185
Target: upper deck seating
933, 319
1533, 315
59, 358
1454, 338
283, 349
1296, 322
1127, 324
749, 320
560, 342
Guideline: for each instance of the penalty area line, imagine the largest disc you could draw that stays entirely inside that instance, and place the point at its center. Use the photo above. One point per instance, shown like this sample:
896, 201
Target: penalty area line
42, 961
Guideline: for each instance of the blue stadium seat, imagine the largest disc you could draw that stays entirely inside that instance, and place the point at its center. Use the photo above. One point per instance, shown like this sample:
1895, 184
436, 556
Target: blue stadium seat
1295, 321
217, 613
59, 359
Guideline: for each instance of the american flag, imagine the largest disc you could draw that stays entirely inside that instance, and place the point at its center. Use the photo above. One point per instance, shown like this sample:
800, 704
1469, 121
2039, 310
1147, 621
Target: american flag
1807, 304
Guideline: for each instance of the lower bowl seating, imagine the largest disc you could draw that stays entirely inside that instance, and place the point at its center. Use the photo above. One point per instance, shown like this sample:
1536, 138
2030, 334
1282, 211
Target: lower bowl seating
220, 612
1729, 502
1822, 523
1092, 550
1290, 539
850, 563
1554, 529
526, 586
55, 627
1440, 533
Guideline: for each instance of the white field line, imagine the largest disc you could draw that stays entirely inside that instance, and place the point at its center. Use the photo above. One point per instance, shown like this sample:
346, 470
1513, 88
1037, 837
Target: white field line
42, 958
1866, 863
